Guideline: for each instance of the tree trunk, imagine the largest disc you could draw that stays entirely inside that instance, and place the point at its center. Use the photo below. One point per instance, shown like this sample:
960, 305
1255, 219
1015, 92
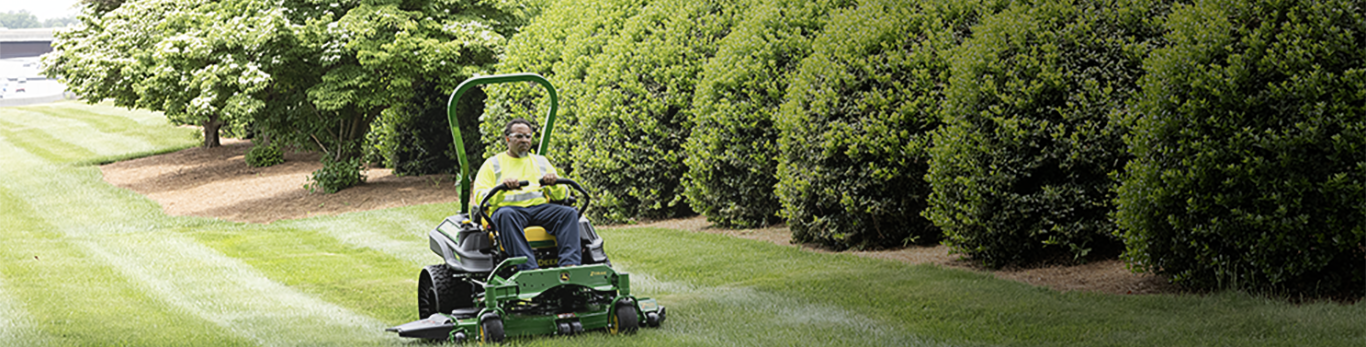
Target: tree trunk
211, 132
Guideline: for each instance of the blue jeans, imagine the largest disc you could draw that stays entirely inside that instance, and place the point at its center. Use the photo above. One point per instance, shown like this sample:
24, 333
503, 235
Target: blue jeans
558, 220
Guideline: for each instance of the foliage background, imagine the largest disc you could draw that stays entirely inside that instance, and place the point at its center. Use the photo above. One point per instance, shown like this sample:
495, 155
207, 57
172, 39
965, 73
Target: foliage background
732, 153
1240, 165
1022, 170
856, 122
1249, 170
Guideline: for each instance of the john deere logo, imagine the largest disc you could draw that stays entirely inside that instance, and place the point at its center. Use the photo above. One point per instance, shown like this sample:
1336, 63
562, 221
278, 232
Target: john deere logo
564, 277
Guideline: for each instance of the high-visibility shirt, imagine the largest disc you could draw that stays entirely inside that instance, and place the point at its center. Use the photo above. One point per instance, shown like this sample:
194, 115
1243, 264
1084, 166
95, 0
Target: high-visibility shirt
528, 168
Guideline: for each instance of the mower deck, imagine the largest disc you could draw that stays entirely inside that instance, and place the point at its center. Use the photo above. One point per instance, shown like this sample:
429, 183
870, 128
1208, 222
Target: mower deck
553, 301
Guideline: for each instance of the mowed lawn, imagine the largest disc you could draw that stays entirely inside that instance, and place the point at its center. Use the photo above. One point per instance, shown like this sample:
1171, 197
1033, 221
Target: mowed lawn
83, 263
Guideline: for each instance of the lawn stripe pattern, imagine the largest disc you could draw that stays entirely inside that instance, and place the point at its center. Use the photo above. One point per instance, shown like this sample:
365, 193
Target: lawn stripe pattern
767, 317
402, 236
58, 131
146, 127
70, 297
118, 229
40, 143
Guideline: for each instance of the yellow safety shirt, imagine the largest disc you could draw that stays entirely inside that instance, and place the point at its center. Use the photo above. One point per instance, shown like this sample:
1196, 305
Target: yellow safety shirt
528, 168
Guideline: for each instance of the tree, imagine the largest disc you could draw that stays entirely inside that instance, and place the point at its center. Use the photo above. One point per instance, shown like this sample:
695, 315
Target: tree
19, 20
196, 62
310, 73
374, 55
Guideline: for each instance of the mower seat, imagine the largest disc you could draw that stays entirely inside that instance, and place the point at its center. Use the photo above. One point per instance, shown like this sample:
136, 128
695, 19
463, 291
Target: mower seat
538, 238
544, 245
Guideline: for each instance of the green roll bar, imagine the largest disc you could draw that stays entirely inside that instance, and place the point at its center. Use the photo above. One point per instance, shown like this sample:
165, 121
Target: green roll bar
464, 178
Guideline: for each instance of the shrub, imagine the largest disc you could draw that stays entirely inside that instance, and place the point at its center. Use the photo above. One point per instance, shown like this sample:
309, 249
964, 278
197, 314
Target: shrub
263, 155
854, 128
1248, 142
336, 174
1021, 170
416, 139
560, 45
634, 118
732, 153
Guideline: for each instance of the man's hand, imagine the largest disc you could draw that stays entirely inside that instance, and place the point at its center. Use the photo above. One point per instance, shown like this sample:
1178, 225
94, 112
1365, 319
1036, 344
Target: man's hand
549, 179
511, 183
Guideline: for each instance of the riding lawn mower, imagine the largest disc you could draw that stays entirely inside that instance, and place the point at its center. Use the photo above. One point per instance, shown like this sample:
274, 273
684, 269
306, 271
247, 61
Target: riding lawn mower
477, 292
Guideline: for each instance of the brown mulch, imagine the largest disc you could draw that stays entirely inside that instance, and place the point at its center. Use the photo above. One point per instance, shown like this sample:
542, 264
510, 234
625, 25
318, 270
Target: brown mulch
217, 183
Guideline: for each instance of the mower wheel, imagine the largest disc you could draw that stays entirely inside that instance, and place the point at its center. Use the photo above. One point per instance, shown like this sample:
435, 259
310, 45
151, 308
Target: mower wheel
439, 292
491, 330
624, 320
652, 320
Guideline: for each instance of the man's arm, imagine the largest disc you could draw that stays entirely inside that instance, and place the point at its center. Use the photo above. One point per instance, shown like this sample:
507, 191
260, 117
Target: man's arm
483, 181
556, 192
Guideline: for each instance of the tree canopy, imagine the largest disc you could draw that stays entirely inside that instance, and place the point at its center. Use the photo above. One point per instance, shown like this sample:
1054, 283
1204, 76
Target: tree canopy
315, 74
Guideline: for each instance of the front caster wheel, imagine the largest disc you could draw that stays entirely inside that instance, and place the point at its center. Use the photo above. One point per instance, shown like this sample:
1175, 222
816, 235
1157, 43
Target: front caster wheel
491, 330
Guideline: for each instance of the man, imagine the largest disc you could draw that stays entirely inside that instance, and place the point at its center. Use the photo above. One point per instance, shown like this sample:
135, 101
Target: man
514, 209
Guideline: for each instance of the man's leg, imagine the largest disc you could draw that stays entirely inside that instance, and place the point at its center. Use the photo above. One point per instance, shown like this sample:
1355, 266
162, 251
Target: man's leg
510, 220
563, 222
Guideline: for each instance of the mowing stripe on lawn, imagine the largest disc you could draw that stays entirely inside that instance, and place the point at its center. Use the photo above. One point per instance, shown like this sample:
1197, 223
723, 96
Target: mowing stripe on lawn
69, 298
124, 230
69, 132
233, 295
15, 324
400, 232
363, 280
706, 315
40, 143
148, 127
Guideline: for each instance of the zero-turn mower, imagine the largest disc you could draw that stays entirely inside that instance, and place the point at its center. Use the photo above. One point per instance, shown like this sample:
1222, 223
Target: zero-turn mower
477, 293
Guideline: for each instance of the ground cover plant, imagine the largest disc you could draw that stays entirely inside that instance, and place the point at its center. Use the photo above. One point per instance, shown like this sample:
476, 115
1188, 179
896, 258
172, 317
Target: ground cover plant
86, 263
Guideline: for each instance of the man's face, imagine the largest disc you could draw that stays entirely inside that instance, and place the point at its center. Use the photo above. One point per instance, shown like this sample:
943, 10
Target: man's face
519, 141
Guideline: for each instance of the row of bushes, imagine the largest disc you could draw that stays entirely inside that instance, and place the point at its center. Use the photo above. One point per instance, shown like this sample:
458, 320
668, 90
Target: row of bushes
1220, 143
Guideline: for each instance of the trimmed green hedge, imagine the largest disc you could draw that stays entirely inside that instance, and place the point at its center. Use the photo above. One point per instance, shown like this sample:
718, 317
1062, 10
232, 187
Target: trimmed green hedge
560, 45
1021, 171
854, 129
635, 116
732, 154
1249, 139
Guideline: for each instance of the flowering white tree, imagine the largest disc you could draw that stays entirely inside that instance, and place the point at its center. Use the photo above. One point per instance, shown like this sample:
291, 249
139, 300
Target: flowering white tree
308, 72
196, 61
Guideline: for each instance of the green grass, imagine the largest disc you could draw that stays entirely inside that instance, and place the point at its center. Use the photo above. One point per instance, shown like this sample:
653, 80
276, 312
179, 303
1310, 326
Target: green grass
85, 263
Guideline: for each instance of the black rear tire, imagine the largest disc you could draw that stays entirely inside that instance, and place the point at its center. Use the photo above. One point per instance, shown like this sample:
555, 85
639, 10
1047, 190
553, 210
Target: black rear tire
624, 319
438, 291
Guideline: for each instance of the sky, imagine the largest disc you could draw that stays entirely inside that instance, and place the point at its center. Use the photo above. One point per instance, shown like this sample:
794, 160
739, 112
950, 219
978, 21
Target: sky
43, 9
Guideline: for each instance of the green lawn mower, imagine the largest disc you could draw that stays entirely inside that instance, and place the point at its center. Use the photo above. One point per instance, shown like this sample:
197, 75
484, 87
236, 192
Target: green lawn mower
477, 293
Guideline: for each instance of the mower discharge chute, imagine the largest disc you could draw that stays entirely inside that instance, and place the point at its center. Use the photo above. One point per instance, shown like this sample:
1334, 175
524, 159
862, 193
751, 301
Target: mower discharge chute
477, 293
